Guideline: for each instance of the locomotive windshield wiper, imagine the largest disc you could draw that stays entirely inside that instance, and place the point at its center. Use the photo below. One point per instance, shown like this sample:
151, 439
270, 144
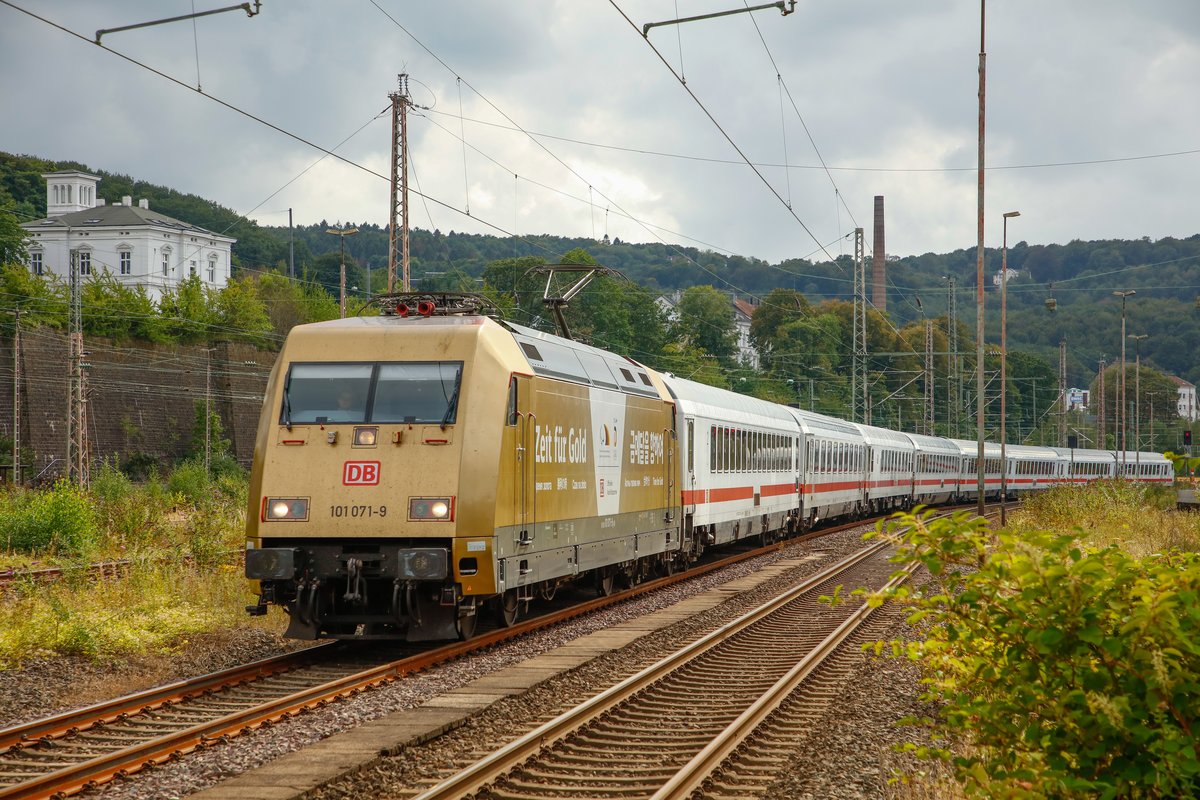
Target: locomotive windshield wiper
287, 402
452, 405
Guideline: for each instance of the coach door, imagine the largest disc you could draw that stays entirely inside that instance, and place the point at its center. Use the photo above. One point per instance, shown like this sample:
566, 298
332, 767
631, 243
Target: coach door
524, 465
689, 486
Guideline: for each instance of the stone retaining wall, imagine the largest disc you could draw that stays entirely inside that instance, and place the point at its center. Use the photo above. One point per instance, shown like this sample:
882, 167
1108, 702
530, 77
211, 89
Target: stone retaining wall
140, 397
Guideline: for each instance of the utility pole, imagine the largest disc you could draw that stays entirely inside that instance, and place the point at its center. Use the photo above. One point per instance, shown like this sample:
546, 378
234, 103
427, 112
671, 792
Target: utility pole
954, 385
1102, 443
291, 248
858, 364
1062, 393
342, 232
1137, 399
16, 450
929, 384
979, 398
398, 207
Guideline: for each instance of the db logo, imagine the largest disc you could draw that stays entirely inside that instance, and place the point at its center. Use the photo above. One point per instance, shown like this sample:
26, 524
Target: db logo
360, 473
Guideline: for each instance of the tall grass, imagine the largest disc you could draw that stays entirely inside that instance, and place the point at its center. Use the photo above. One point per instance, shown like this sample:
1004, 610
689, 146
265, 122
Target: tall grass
1138, 518
155, 609
179, 535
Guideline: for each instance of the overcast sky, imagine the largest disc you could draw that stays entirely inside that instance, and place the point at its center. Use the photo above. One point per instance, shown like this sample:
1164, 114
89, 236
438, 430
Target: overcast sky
559, 117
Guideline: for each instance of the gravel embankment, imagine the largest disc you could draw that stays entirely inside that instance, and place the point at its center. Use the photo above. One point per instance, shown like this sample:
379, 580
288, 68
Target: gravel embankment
860, 736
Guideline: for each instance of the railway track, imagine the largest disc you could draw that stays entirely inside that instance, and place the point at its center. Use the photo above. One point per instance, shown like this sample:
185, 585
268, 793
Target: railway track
101, 570
726, 702
77, 750
71, 752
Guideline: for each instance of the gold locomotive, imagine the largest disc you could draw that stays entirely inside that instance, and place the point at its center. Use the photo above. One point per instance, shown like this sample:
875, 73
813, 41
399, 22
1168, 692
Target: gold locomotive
415, 468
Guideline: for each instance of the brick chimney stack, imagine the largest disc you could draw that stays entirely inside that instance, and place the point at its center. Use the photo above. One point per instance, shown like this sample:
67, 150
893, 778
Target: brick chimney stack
878, 262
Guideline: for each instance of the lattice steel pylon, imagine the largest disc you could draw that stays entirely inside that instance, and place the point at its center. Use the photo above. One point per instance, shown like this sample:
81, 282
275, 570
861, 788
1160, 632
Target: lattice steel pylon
398, 207
76, 420
858, 363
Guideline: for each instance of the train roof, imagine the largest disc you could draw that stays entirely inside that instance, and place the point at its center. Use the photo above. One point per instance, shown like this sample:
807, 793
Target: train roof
1140, 456
1022, 452
933, 444
1085, 454
876, 435
709, 401
556, 357
970, 448
814, 423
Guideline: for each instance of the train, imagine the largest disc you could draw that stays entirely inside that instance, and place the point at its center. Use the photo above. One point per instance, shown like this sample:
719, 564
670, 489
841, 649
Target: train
417, 470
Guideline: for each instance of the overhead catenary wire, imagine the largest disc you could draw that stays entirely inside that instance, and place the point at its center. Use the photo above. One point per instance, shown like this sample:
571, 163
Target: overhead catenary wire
833, 167
745, 159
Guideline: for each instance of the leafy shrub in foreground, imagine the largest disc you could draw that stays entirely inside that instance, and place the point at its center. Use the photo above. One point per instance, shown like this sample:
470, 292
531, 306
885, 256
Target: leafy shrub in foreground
60, 520
1072, 673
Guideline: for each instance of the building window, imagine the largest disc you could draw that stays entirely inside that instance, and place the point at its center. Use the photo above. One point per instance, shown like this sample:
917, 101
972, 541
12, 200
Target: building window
192, 272
35, 263
126, 258
85, 262
212, 269
166, 261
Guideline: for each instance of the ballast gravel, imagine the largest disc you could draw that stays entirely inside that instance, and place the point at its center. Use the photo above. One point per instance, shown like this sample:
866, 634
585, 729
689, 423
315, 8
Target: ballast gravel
857, 761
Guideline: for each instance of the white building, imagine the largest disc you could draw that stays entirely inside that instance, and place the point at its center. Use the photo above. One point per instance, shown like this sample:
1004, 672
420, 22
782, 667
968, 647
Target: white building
743, 313
1186, 400
998, 278
137, 246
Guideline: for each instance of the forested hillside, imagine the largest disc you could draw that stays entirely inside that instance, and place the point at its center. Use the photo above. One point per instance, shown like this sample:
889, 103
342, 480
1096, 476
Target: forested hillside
1079, 277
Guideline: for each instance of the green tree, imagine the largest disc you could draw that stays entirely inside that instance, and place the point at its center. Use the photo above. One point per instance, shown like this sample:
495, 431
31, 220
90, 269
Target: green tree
186, 311
778, 308
219, 446
515, 292
238, 312
706, 321
42, 299
112, 309
12, 236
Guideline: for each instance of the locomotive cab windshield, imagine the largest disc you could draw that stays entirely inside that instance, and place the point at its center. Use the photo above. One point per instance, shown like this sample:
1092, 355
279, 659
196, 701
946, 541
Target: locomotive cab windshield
388, 392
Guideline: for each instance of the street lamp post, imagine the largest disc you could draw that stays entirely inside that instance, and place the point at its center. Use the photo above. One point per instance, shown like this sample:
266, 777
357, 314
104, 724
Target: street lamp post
1137, 398
342, 233
1121, 414
1004, 361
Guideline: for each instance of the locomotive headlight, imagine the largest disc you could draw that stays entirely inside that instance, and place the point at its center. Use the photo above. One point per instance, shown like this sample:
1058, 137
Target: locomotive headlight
285, 508
365, 437
431, 508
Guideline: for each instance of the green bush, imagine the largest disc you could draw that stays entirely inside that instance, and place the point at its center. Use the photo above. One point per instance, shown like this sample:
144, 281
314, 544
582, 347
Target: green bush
110, 485
1070, 673
59, 521
190, 481
132, 516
